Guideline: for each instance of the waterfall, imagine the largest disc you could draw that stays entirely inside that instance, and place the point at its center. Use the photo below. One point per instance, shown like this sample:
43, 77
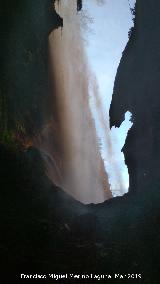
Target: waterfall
83, 171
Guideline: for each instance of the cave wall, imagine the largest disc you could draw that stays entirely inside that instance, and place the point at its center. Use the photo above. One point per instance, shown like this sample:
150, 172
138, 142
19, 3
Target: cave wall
43, 229
136, 90
24, 88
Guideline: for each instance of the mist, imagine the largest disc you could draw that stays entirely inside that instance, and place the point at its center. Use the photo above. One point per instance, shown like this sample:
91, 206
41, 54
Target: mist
108, 138
83, 171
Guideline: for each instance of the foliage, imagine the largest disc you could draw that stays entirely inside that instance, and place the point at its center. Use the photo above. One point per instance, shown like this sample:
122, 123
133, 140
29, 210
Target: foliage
86, 20
133, 12
100, 2
131, 30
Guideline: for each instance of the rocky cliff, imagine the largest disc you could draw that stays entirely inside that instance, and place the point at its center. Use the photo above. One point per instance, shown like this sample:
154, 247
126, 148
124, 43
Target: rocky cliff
137, 90
24, 87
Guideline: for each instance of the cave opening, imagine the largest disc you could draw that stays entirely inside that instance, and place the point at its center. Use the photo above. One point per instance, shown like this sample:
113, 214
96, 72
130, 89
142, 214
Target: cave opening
84, 58
111, 26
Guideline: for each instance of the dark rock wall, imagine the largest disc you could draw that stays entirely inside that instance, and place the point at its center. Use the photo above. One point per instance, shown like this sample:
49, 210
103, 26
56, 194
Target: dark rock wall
43, 230
25, 27
137, 90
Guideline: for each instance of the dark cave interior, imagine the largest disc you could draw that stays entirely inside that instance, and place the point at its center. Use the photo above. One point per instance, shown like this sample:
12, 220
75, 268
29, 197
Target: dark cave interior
43, 229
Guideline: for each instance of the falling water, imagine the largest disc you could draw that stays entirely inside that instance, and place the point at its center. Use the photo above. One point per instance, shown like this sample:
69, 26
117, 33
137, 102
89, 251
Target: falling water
83, 170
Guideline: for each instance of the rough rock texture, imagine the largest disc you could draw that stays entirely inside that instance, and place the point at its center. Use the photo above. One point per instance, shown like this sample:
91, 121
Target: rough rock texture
137, 90
36, 217
43, 230
25, 28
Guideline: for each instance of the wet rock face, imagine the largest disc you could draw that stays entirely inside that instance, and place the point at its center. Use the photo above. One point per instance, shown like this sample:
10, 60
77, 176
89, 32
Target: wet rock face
137, 90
